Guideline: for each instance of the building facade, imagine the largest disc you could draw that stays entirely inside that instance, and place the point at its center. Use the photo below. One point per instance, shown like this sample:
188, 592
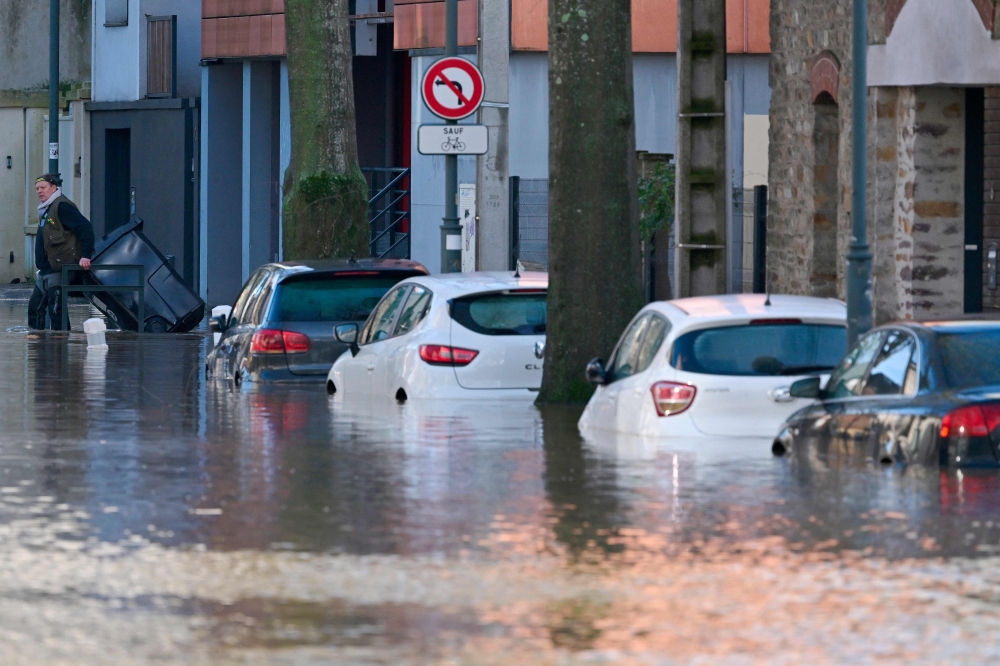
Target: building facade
933, 110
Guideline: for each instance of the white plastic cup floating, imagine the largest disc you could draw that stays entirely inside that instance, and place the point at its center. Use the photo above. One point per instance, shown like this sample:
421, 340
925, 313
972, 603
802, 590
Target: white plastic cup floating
95, 328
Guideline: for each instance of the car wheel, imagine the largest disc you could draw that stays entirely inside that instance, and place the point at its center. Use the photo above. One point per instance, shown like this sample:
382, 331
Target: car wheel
156, 324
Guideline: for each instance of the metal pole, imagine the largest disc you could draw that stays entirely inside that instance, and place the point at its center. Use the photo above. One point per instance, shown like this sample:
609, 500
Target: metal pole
859, 256
451, 230
53, 86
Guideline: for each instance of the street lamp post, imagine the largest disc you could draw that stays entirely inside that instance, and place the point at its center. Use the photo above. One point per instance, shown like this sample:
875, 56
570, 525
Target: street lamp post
859, 256
54, 86
451, 230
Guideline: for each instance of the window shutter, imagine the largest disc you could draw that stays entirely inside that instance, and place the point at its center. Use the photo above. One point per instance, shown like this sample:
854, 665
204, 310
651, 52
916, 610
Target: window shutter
161, 57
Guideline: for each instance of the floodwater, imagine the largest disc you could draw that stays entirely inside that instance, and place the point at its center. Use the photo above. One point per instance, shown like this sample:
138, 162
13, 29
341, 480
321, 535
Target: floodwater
148, 517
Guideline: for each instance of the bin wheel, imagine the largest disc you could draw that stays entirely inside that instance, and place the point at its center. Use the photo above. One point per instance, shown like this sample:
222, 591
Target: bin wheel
156, 324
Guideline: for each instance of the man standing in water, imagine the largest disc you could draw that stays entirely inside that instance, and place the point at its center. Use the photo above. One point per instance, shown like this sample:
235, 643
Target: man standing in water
65, 237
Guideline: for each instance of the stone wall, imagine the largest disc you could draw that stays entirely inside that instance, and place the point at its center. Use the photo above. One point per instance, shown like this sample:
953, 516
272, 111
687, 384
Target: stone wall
916, 171
24, 43
939, 204
801, 31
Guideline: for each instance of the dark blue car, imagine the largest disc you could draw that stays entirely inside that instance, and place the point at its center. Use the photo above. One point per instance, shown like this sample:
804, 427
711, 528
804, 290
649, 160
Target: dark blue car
912, 393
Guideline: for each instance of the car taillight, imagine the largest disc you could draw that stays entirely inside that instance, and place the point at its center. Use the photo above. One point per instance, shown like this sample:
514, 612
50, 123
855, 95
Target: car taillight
269, 341
671, 398
971, 421
443, 355
296, 343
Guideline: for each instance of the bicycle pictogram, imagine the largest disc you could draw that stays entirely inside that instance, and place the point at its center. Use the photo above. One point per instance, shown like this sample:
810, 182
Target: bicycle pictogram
453, 143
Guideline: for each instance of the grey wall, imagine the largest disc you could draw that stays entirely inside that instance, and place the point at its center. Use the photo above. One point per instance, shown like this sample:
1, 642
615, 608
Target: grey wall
221, 192
24, 46
162, 147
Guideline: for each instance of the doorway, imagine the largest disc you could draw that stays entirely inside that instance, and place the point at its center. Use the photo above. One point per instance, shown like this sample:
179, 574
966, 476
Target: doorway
117, 177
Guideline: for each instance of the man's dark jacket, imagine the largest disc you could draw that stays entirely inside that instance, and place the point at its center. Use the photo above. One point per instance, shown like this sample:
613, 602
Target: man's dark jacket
71, 218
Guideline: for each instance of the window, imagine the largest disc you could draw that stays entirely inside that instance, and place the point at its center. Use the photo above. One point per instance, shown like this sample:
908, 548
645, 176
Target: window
970, 358
625, 360
115, 13
244, 300
847, 378
895, 370
760, 350
161, 56
416, 307
656, 332
380, 324
502, 314
322, 297
260, 302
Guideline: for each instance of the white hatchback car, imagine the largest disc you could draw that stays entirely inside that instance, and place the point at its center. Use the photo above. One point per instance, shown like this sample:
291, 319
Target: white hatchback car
715, 365
456, 336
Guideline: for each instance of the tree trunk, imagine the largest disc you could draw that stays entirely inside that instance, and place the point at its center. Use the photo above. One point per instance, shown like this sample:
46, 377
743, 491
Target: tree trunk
325, 211
595, 262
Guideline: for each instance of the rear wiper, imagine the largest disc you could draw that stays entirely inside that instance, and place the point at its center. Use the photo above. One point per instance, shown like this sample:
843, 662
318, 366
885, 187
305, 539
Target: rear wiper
804, 369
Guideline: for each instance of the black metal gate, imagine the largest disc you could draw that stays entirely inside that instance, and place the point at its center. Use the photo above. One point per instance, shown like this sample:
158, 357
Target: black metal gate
529, 222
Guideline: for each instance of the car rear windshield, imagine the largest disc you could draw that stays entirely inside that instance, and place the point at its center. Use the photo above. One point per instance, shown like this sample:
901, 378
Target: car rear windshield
502, 314
331, 298
970, 358
761, 350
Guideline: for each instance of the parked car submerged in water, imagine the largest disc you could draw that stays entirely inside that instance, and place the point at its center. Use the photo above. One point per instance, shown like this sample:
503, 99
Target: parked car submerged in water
914, 393
458, 336
281, 327
717, 366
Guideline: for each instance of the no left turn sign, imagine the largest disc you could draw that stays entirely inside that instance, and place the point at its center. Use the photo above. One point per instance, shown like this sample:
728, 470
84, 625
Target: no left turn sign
453, 88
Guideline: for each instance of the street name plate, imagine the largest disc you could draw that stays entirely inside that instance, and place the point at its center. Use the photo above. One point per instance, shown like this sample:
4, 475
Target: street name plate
453, 140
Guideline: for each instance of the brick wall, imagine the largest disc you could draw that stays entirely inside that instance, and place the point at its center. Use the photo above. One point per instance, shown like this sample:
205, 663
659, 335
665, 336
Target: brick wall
991, 218
801, 30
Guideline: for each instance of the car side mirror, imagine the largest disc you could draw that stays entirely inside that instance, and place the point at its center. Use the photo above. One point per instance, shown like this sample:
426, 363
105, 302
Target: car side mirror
596, 374
347, 334
217, 324
806, 388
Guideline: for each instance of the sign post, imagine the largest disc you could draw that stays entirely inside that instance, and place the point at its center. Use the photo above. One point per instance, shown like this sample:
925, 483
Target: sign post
451, 231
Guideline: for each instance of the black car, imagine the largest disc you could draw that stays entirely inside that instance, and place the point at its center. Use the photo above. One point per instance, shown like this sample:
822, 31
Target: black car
281, 328
913, 393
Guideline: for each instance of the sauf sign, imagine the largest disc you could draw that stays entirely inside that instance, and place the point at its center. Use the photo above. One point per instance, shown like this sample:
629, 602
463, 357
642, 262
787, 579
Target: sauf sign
453, 89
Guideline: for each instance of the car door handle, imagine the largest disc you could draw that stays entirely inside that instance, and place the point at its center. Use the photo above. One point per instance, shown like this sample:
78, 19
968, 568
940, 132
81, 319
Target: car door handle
781, 394
371, 367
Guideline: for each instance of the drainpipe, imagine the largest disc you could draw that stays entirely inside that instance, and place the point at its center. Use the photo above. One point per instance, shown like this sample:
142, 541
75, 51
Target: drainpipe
54, 86
859, 256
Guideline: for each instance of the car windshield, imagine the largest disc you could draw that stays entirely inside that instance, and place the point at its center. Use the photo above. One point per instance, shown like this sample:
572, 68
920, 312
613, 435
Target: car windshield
502, 314
970, 358
761, 350
331, 298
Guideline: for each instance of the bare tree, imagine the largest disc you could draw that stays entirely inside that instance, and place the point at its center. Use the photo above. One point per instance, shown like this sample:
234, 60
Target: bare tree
594, 256
325, 194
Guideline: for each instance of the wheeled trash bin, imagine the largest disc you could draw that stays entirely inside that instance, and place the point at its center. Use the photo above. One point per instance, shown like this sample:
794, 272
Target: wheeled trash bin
170, 304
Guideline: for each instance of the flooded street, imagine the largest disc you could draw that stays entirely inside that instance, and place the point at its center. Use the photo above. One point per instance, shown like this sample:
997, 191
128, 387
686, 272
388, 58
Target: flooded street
147, 516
